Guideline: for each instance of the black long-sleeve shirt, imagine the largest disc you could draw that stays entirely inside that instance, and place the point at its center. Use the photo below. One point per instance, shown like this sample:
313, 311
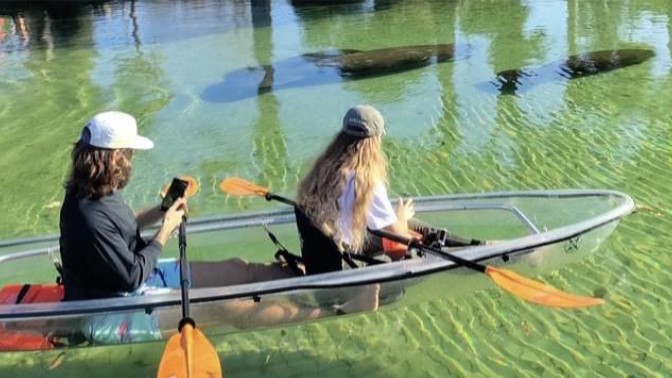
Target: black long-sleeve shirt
102, 252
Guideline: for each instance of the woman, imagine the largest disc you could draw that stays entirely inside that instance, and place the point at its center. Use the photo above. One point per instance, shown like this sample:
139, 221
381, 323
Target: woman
345, 192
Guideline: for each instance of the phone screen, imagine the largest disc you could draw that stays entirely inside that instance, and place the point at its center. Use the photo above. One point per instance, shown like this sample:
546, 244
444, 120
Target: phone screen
175, 191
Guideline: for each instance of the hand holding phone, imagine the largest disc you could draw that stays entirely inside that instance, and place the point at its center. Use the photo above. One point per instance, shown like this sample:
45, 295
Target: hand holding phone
176, 190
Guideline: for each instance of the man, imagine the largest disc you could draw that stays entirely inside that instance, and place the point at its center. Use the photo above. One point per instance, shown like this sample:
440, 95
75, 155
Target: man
102, 252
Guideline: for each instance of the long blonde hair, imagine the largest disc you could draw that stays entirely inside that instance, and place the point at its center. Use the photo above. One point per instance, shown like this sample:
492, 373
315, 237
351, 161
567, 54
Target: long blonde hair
320, 189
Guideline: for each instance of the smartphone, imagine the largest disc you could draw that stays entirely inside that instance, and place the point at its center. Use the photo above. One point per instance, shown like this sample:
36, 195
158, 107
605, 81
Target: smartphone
175, 191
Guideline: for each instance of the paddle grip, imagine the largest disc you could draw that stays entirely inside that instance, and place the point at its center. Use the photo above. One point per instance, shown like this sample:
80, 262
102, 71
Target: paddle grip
270, 196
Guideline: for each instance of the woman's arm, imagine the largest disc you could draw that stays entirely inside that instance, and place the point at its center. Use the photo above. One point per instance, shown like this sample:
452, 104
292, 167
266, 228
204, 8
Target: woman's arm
405, 212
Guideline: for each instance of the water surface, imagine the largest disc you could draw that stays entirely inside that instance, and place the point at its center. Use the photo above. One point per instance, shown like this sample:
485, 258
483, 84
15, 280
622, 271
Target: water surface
449, 131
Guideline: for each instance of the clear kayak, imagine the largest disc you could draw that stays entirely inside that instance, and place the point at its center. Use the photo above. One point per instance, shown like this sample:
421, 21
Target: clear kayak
537, 231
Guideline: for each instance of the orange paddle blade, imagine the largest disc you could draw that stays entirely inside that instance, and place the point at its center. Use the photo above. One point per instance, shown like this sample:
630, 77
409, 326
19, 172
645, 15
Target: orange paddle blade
189, 355
537, 292
239, 187
192, 188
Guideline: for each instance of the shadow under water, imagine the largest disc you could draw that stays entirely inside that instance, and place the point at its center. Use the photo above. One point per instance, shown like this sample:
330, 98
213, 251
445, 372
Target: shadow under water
325, 68
511, 82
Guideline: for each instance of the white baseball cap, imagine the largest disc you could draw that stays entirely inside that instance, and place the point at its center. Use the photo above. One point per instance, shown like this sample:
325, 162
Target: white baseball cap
114, 130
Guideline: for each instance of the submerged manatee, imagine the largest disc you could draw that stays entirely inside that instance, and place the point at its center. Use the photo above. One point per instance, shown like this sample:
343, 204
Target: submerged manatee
393, 59
324, 68
576, 66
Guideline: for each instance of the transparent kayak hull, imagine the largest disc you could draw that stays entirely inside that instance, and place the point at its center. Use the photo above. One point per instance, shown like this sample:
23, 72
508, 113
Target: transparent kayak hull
536, 232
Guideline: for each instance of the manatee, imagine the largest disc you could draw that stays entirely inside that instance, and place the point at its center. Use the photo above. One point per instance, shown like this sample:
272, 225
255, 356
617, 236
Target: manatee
325, 67
576, 66
393, 59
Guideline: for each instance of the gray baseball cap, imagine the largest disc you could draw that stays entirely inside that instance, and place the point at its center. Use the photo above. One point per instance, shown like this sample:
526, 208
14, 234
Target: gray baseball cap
363, 121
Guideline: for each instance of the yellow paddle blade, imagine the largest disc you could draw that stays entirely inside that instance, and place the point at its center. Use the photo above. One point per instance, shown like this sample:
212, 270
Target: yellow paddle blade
537, 292
192, 188
239, 187
189, 355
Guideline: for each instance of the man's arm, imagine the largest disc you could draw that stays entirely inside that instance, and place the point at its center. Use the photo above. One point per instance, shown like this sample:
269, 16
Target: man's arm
148, 217
121, 269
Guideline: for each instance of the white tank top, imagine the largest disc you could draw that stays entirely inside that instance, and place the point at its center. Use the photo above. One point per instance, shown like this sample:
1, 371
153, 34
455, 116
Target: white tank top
380, 214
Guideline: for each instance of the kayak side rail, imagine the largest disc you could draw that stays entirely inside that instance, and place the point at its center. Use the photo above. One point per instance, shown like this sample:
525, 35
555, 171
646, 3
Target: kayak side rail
25, 254
519, 214
563, 193
223, 220
283, 218
196, 228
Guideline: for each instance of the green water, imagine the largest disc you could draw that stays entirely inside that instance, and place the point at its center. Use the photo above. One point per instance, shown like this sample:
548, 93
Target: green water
448, 132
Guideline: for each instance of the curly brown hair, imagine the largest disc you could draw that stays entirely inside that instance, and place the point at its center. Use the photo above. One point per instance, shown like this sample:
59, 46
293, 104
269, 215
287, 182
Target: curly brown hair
95, 173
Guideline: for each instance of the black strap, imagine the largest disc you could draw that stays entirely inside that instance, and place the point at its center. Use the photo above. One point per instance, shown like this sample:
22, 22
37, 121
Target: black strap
162, 276
22, 293
57, 265
347, 257
291, 260
282, 253
273, 238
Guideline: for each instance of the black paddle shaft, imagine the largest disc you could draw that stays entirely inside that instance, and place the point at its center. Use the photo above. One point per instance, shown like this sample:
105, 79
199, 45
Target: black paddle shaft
184, 268
286, 201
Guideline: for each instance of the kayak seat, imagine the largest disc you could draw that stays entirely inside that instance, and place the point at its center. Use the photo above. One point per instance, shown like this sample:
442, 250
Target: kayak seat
27, 293
31, 293
320, 253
